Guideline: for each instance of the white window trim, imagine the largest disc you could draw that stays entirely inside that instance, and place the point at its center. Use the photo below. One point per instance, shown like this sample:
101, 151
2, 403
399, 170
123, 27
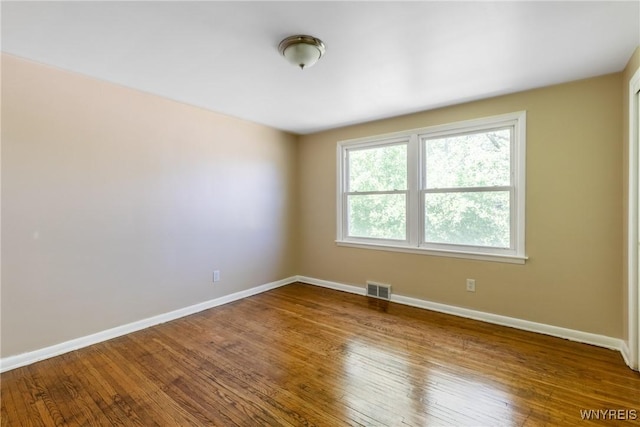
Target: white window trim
413, 244
345, 194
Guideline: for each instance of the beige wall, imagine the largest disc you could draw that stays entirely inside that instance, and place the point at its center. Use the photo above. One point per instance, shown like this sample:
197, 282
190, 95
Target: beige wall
632, 66
574, 214
118, 205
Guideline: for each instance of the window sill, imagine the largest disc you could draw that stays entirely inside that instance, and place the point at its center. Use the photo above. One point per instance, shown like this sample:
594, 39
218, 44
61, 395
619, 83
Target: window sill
510, 259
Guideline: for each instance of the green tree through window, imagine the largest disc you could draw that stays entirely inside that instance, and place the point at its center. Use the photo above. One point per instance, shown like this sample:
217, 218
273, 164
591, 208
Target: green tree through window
455, 188
377, 200
467, 194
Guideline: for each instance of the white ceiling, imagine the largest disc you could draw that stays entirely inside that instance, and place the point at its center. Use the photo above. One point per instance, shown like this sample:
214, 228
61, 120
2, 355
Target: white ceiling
383, 58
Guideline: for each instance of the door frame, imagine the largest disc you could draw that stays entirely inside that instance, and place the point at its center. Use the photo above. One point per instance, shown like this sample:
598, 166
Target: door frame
632, 352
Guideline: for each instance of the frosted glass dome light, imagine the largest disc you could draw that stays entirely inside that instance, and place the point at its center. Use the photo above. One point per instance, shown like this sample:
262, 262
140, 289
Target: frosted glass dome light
302, 51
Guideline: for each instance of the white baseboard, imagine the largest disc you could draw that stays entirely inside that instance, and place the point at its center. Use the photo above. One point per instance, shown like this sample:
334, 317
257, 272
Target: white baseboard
541, 328
333, 285
628, 358
24, 359
13, 362
626, 354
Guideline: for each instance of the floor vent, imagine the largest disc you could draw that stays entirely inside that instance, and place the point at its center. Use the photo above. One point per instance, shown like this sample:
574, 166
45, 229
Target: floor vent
378, 290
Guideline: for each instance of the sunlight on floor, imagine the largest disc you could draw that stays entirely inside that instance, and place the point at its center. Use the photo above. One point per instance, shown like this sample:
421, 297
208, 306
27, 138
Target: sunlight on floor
381, 388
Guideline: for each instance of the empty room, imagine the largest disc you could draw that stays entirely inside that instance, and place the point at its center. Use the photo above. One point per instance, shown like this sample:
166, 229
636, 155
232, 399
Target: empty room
305, 213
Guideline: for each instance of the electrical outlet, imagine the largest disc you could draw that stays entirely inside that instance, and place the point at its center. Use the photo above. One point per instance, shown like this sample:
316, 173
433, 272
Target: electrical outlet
216, 276
471, 285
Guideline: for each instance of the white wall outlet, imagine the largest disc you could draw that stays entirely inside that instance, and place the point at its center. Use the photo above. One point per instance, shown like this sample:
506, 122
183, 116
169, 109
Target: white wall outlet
471, 285
216, 275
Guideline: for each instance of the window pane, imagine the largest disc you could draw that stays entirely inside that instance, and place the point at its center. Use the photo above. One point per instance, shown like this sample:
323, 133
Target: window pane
472, 160
378, 168
381, 216
475, 219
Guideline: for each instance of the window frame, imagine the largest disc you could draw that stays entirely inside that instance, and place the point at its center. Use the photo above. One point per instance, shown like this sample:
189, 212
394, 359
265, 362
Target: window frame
416, 190
388, 142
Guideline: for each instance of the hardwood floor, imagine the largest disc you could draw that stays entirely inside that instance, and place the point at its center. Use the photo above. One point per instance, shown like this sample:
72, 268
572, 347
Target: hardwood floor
302, 355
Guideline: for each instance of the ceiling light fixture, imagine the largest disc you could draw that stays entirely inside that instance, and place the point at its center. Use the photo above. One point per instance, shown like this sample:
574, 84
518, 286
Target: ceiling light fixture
302, 51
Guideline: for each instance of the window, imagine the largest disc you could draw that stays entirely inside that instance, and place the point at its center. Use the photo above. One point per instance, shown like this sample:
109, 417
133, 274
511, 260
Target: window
451, 190
376, 193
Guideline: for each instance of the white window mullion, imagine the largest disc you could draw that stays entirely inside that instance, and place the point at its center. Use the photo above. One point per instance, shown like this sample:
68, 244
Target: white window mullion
513, 222
413, 202
369, 193
469, 189
520, 161
341, 183
513, 194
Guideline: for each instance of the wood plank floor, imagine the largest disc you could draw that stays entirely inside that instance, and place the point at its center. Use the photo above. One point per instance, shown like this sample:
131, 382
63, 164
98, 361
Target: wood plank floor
301, 355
